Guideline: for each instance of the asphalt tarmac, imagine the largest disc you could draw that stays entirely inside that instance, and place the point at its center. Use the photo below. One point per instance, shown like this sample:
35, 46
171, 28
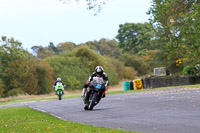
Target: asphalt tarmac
159, 111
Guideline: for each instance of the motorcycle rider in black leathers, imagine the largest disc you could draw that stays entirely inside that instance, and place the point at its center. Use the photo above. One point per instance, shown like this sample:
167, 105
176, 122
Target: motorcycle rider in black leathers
98, 72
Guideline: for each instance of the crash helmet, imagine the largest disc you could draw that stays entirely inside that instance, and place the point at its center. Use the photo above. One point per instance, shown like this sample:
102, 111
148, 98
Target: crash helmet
58, 79
99, 70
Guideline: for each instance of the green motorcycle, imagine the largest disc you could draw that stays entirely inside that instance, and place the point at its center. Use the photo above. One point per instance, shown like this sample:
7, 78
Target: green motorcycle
59, 88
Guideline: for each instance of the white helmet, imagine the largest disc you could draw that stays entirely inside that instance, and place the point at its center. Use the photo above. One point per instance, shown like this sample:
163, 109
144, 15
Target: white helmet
99, 70
58, 79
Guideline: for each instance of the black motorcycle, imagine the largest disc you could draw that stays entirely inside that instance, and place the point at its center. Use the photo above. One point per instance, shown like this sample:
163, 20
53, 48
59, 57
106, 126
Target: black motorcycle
94, 93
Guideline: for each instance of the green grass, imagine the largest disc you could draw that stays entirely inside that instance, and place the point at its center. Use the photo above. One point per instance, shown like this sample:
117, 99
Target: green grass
26, 120
28, 99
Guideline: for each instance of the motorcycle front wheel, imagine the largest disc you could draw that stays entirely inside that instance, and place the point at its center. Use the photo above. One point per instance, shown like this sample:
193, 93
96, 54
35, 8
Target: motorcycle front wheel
59, 95
93, 102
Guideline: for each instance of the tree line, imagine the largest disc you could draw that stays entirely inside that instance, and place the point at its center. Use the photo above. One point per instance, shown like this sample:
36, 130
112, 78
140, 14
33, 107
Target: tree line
22, 72
170, 39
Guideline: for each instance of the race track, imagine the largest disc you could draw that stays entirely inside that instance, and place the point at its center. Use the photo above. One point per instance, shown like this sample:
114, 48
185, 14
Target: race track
158, 111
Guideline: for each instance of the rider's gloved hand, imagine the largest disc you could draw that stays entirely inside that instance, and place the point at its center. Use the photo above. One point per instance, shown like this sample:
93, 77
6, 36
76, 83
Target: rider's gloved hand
106, 88
88, 83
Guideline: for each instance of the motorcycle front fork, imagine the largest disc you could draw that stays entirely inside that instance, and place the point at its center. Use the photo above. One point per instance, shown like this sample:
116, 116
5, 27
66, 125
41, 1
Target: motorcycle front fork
56, 92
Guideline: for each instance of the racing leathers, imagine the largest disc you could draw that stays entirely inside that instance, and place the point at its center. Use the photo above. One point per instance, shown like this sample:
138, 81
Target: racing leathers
54, 86
94, 74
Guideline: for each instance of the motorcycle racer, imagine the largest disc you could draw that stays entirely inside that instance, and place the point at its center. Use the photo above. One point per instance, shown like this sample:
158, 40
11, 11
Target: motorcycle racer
99, 71
58, 80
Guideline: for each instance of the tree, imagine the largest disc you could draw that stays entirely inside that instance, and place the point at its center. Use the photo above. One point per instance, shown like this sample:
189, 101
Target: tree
136, 63
135, 37
20, 72
66, 47
10, 50
95, 5
27, 77
1, 88
54, 49
43, 52
44, 73
19, 78
177, 24
105, 47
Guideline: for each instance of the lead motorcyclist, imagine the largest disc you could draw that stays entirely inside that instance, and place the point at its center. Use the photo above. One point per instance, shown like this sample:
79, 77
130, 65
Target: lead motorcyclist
98, 72
54, 85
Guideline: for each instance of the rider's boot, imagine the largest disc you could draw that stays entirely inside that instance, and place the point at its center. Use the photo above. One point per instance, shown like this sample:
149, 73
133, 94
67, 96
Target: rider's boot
83, 93
104, 95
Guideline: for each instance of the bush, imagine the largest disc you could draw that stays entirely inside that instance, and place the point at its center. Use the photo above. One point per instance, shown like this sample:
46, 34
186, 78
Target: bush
90, 57
74, 84
15, 92
1, 88
44, 73
117, 65
136, 63
191, 70
75, 67
19, 74
28, 76
72, 70
113, 78
151, 58
129, 73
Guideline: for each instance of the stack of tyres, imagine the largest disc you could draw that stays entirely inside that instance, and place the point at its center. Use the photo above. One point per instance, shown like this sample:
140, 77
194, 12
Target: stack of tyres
138, 84
131, 85
126, 85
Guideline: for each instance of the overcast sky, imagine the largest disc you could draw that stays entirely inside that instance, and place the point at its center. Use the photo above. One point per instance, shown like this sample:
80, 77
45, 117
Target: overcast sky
38, 22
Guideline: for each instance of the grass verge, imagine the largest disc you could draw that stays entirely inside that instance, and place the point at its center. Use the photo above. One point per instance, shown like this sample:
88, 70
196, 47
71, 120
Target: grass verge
26, 120
28, 98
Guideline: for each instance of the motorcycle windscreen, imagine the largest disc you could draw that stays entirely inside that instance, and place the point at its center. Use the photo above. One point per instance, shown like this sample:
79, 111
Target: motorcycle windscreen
59, 85
99, 80
98, 86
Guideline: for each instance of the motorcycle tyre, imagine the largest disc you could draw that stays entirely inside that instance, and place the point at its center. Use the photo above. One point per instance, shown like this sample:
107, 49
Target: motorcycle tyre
86, 107
92, 103
59, 96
